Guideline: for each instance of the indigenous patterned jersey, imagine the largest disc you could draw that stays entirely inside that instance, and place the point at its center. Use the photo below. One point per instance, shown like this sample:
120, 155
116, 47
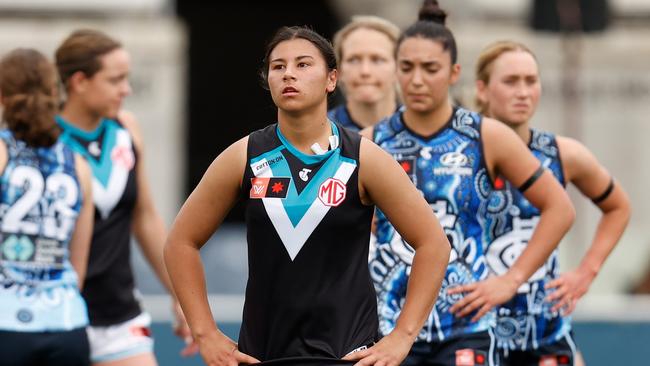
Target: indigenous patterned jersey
449, 169
109, 286
309, 291
40, 199
525, 322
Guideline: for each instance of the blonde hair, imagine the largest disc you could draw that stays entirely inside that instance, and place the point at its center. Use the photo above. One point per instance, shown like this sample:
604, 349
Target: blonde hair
487, 57
378, 24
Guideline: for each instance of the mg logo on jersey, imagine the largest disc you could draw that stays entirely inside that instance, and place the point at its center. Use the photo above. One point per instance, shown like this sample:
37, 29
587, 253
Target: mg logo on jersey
453, 159
332, 192
123, 156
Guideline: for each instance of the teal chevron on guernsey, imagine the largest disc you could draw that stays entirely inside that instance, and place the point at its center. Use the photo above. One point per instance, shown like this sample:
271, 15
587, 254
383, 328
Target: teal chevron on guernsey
296, 216
100, 165
109, 152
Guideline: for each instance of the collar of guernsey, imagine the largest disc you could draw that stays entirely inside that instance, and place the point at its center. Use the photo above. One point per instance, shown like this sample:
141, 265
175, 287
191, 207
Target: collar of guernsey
88, 135
305, 158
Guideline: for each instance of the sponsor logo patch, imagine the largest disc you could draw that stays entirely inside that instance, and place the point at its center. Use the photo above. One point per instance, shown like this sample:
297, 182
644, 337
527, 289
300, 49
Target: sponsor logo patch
564, 360
332, 192
141, 331
548, 361
265, 164
24, 316
453, 163
499, 183
94, 149
453, 159
465, 357
480, 358
269, 187
123, 156
304, 174
408, 164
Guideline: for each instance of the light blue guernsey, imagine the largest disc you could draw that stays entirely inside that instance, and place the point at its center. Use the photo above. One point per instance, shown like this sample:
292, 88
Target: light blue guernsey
40, 199
449, 169
526, 322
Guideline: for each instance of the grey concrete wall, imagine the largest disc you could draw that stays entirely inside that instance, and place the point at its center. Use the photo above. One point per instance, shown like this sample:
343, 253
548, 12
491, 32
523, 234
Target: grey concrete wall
157, 47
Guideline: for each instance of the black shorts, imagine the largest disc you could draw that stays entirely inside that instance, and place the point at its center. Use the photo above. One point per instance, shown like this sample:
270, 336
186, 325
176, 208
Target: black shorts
66, 348
478, 349
560, 353
306, 361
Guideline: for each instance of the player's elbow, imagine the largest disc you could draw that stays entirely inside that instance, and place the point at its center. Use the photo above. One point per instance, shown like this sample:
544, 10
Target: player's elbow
625, 209
445, 249
442, 247
567, 211
559, 207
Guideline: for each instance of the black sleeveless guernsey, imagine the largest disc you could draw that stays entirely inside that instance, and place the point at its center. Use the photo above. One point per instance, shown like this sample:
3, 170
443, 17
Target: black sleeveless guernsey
309, 291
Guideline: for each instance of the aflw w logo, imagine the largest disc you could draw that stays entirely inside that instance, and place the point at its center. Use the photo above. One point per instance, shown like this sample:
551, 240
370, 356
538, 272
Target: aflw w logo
332, 192
259, 189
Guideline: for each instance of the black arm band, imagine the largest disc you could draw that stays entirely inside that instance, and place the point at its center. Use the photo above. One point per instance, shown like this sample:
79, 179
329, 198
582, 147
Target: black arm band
605, 194
533, 178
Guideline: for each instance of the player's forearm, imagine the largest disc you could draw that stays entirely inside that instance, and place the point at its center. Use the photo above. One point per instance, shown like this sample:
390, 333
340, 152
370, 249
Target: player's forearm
150, 233
187, 278
80, 242
609, 231
553, 224
427, 272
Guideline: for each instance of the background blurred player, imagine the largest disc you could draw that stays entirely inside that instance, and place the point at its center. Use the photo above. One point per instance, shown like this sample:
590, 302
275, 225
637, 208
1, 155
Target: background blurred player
452, 155
530, 328
365, 51
94, 69
45, 222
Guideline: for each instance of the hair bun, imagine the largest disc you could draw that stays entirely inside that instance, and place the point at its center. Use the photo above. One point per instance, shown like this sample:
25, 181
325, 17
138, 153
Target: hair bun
431, 11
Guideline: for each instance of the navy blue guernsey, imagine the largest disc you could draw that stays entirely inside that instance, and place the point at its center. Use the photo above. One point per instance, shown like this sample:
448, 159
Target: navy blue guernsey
449, 169
109, 285
342, 116
309, 291
525, 322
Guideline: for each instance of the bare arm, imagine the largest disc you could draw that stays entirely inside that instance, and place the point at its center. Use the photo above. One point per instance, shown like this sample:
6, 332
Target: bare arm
367, 132
556, 211
556, 216
197, 220
148, 225
3, 156
150, 231
385, 183
83, 230
585, 172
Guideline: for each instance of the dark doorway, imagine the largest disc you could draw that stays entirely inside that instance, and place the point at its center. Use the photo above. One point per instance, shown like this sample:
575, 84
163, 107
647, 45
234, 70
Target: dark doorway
226, 45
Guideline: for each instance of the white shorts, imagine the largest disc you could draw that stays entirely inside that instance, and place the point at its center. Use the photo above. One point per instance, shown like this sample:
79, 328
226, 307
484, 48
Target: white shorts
120, 341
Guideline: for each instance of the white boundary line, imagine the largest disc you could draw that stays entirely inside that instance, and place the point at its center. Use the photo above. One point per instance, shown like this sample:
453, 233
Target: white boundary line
606, 308
225, 308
